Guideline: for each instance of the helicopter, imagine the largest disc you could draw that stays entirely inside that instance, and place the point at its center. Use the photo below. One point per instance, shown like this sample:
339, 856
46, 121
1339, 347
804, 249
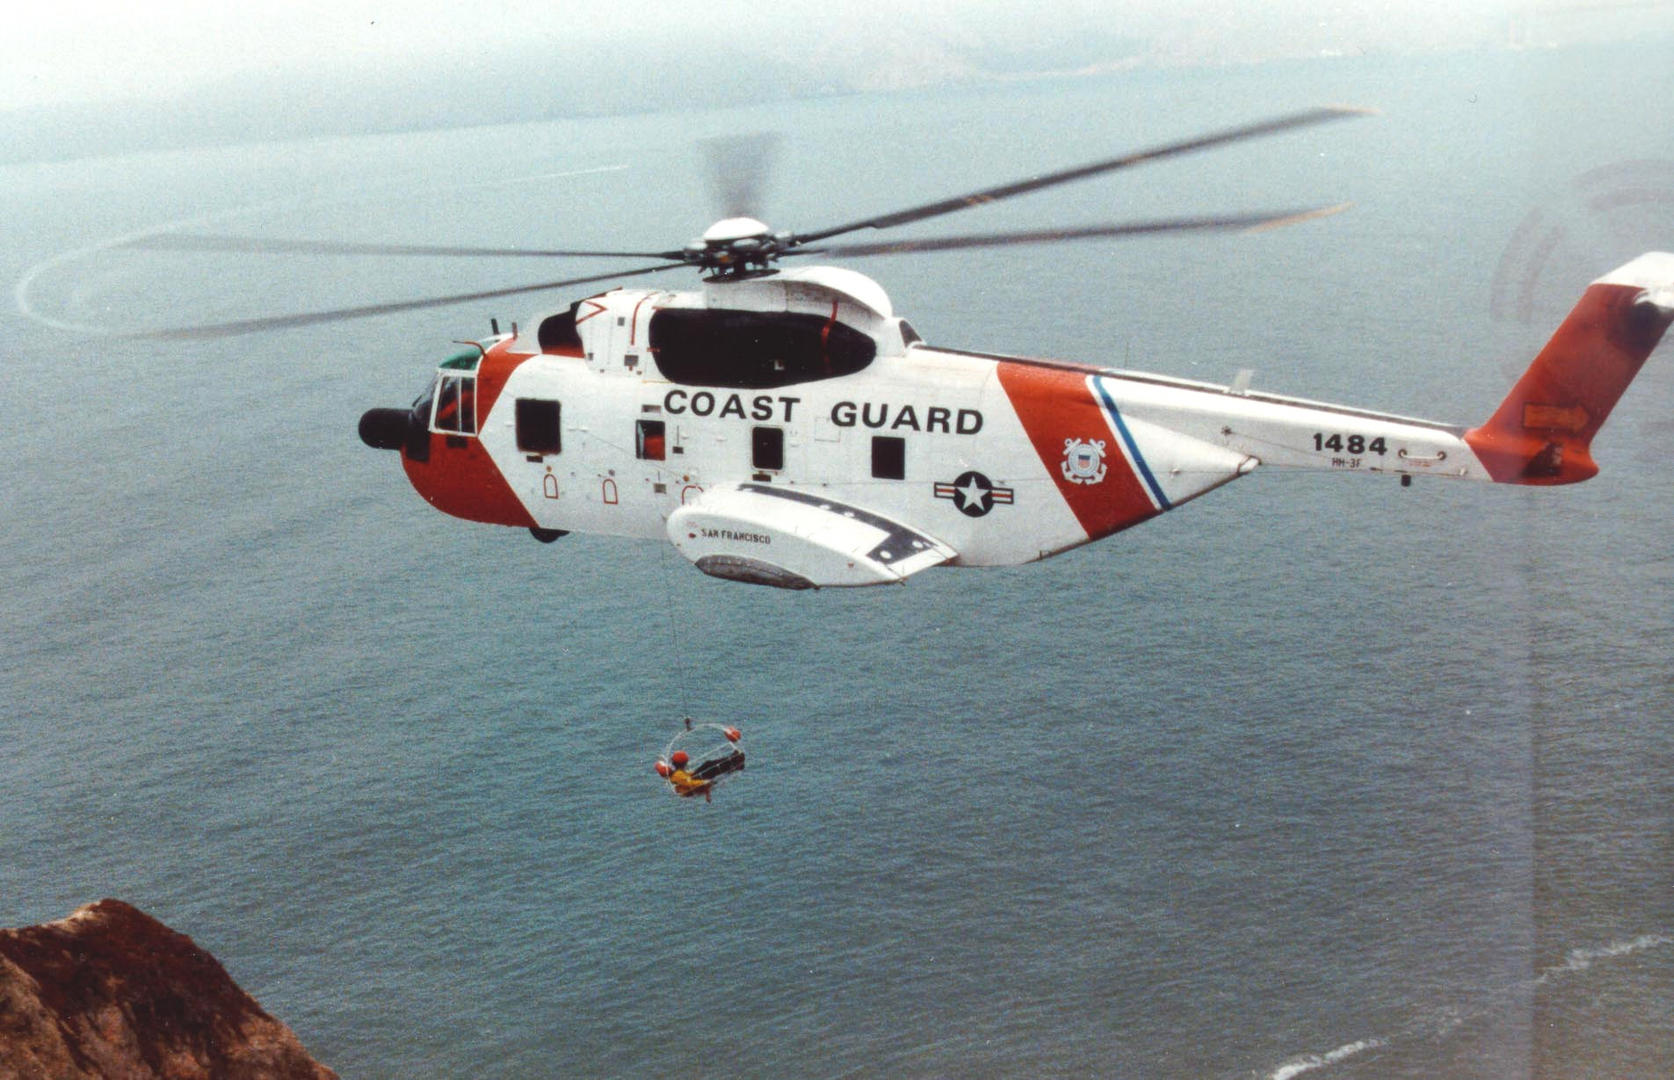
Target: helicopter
786, 427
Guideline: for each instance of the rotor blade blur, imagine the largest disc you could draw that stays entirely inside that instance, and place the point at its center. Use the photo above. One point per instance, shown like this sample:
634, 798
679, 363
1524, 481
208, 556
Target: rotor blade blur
1096, 168
281, 322
258, 245
1225, 223
738, 169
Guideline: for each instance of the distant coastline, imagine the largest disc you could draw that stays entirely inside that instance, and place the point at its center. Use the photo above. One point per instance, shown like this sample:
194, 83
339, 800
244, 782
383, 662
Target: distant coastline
278, 107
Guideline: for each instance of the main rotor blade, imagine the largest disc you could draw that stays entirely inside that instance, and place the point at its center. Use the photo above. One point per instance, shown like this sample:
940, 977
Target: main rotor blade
1228, 222
1081, 172
280, 322
258, 245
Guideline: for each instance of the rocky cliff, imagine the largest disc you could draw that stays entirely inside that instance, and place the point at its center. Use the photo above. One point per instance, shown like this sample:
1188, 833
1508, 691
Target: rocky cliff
112, 993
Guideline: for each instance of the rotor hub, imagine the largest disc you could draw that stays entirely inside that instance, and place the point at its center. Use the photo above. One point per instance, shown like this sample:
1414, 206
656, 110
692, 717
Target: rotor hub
737, 246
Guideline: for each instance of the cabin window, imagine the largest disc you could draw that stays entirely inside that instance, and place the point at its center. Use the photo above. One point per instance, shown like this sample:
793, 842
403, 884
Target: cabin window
754, 349
537, 426
456, 405
889, 457
649, 441
767, 447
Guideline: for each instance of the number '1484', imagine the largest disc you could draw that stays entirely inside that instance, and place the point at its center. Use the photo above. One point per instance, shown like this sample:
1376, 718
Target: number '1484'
1354, 444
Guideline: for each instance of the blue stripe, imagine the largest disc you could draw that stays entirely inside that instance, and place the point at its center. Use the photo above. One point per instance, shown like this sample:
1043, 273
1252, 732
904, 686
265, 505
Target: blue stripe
1133, 447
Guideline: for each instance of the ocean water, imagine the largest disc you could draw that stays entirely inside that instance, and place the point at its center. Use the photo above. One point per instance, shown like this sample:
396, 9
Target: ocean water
1315, 776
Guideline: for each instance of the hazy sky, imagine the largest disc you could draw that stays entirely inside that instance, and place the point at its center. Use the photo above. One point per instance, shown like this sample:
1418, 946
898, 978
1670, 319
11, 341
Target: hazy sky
66, 51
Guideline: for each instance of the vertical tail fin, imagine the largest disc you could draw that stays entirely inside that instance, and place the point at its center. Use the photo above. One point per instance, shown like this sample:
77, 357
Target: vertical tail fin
1542, 432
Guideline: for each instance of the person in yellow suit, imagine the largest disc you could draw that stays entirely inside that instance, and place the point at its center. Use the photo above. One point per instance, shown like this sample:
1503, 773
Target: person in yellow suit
685, 784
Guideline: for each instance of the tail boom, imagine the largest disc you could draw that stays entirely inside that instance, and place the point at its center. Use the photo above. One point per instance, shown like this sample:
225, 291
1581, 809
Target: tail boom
1543, 431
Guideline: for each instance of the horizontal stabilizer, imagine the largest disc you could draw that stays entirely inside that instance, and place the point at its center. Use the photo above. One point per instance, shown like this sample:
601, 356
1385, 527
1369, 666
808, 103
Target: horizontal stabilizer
794, 539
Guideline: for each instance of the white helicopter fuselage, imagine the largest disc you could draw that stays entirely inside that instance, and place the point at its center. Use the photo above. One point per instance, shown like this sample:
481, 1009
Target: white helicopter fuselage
788, 429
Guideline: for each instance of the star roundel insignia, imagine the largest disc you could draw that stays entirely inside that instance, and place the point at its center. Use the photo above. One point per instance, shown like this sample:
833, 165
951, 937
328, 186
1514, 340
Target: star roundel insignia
973, 494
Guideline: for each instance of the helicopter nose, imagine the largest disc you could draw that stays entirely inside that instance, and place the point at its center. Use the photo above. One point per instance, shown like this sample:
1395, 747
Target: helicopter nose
385, 429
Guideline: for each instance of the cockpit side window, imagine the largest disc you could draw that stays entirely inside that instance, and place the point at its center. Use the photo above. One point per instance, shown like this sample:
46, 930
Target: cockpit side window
754, 349
456, 404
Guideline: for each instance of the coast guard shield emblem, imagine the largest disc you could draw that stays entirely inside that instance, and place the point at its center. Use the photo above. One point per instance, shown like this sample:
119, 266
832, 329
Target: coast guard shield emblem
1084, 461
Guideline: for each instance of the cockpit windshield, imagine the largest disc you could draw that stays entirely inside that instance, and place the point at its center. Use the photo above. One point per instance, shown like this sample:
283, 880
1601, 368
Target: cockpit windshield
455, 393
